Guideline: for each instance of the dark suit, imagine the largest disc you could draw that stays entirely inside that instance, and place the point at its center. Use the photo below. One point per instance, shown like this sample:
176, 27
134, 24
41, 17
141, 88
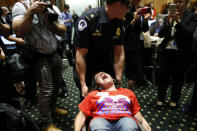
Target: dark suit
133, 44
173, 62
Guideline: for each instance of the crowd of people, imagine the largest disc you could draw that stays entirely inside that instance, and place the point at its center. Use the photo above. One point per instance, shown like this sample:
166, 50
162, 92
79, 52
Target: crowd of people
108, 41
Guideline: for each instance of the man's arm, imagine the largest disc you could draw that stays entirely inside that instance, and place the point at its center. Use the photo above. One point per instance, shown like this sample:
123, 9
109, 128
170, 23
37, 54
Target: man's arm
79, 121
119, 57
81, 68
59, 29
141, 119
23, 25
16, 39
4, 29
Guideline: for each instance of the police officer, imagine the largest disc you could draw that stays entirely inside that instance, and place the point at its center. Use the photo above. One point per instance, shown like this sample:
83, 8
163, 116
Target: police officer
98, 42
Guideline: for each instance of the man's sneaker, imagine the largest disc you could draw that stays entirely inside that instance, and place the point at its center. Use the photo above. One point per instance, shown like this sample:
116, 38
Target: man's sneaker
51, 127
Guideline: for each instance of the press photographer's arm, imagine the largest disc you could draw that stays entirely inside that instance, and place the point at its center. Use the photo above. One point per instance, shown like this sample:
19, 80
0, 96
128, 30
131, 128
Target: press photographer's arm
23, 25
59, 29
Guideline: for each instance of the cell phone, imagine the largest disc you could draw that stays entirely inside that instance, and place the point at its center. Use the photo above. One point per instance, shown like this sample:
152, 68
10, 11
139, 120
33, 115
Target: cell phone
144, 10
172, 7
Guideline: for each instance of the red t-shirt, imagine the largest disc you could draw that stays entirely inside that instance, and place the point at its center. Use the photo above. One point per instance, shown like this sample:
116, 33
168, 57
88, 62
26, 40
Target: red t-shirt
111, 105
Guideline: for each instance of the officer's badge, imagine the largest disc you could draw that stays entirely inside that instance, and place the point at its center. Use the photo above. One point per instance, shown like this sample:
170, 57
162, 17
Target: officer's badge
118, 32
96, 33
82, 25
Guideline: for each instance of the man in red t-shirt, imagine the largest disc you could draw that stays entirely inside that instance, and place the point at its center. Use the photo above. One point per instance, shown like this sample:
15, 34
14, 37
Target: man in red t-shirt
111, 108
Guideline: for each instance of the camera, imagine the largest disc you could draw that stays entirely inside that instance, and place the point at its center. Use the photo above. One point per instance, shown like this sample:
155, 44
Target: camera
172, 7
49, 11
144, 10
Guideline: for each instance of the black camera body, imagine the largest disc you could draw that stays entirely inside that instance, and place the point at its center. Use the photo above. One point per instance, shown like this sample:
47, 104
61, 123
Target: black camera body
50, 12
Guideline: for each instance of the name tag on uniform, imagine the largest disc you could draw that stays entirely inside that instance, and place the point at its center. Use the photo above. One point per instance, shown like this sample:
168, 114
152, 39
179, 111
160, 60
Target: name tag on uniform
118, 32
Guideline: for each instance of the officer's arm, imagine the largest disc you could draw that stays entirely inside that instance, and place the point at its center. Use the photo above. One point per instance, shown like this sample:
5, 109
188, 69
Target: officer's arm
119, 57
79, 121
81, 64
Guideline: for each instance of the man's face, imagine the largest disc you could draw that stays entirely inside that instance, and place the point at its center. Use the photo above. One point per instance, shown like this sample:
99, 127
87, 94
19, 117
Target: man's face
180, 5
104, 80
5, 12
121, 10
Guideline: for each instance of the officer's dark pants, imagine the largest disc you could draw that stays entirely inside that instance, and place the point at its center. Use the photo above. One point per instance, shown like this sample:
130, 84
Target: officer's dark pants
48, 73
133, 65
171, 65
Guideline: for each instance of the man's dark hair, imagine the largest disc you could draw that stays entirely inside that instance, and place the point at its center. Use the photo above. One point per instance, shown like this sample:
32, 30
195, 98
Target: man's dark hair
124, 2
66, 6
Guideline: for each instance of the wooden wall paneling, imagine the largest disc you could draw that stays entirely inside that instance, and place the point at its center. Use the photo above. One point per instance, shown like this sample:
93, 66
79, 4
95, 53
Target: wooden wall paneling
7, 3
144, 2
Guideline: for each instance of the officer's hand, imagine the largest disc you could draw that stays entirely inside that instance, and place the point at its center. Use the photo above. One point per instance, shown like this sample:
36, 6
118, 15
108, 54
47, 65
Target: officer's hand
37, 7
84, 90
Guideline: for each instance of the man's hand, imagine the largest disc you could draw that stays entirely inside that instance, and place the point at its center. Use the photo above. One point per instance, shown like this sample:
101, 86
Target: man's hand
37, 7
20, 41
84, 90
136, 15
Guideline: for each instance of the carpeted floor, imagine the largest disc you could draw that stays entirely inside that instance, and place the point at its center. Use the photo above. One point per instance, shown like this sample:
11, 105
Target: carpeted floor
163, 119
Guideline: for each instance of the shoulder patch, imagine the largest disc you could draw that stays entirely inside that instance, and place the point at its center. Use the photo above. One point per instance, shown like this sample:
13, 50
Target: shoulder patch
82, 25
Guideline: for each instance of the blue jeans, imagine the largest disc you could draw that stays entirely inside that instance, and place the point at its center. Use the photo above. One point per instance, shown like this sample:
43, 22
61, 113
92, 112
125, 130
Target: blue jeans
123, 124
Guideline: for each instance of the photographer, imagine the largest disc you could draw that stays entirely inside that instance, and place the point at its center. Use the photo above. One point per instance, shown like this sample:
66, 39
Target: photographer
174, 50
34, 20
136, 23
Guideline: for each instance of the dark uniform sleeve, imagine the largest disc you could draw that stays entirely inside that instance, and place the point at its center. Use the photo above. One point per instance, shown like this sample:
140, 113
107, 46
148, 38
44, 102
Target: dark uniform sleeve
82, 32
